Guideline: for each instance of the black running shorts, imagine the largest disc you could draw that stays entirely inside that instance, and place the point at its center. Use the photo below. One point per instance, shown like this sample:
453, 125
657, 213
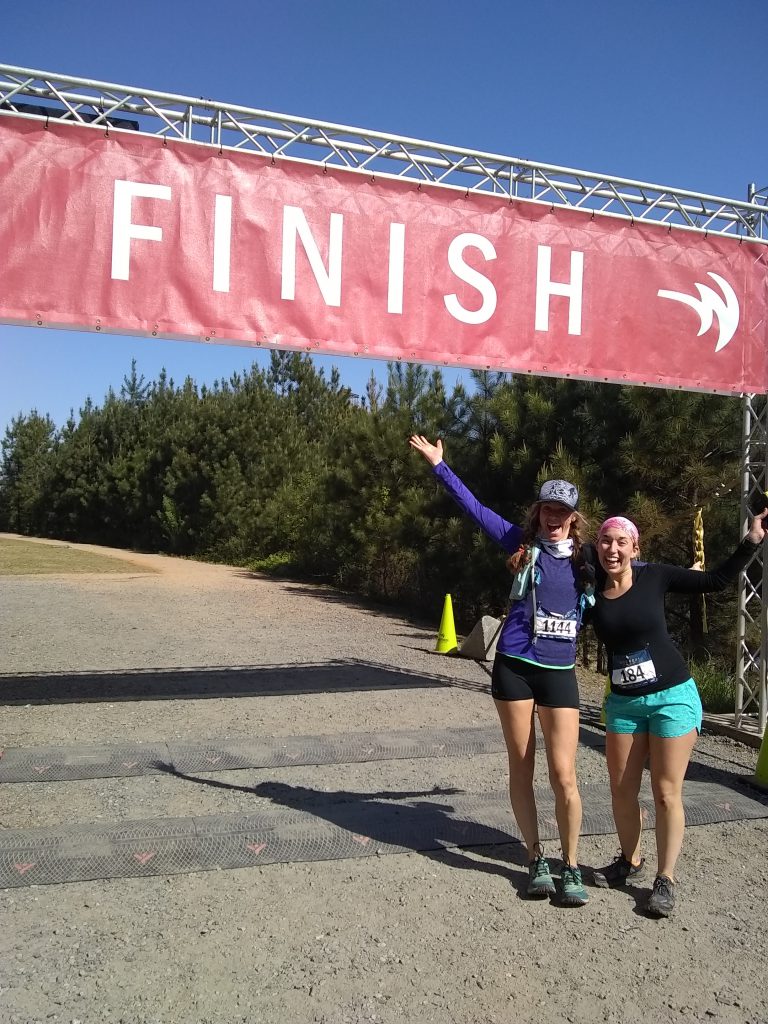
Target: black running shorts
514, 679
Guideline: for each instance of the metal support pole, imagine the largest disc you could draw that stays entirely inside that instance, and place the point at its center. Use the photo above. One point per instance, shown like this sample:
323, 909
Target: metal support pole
751, 708
742, 651
762, 704
751, 702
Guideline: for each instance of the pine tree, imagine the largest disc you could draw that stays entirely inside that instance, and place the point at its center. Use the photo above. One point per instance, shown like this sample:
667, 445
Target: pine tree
25, 468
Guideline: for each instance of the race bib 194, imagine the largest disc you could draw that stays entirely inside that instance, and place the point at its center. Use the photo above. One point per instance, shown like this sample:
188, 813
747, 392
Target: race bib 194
631, 671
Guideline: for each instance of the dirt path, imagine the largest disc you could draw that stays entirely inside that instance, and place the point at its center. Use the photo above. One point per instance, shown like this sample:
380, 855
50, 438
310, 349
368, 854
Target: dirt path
196, 652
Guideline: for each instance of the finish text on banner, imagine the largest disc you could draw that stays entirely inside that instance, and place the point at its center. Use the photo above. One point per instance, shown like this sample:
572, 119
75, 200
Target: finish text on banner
126, 233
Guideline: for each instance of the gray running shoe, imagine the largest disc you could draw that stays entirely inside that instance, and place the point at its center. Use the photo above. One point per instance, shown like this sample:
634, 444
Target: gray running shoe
661, 902
619, 872
539, 878
572, 891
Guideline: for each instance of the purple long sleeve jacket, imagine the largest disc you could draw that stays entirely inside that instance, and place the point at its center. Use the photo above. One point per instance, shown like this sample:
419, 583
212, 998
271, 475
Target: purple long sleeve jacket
557, 591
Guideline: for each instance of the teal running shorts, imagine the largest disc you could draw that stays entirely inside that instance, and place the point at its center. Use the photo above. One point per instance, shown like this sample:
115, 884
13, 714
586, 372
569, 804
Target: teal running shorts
668, 713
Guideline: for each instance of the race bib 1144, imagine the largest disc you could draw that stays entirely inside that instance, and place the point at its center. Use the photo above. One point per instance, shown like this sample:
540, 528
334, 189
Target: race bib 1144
556, 626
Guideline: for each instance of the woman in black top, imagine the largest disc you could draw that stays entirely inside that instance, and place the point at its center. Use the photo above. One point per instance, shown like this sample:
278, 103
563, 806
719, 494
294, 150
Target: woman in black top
653, 710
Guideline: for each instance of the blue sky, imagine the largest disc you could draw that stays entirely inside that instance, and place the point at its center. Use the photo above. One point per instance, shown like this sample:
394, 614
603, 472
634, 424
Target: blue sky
670, 93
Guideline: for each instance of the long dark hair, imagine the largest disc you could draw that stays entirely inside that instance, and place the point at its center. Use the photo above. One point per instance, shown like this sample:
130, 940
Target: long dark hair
576, 531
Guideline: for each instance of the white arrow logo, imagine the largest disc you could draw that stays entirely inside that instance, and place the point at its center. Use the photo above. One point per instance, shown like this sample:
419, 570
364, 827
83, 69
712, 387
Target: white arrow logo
710, 303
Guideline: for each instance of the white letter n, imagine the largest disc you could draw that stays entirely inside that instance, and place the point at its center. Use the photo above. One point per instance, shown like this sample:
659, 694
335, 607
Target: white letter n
329, 281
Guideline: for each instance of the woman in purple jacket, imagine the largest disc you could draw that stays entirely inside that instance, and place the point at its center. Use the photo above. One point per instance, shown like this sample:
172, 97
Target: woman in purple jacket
535, 658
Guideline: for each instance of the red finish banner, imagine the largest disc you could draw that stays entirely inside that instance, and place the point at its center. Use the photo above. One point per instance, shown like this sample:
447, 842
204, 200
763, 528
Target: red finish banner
126, 233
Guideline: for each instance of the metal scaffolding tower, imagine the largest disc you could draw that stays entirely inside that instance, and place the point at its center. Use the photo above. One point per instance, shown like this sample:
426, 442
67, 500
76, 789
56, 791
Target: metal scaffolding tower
752, 623
109, 107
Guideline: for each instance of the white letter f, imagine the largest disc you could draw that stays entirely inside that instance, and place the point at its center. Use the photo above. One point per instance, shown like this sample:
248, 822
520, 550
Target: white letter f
122, 228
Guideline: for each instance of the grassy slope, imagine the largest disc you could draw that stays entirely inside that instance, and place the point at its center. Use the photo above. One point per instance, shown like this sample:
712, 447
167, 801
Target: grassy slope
23, 557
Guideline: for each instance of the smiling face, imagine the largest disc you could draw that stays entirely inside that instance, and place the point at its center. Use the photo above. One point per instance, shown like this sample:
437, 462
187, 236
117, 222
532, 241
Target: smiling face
615, 549
555, 521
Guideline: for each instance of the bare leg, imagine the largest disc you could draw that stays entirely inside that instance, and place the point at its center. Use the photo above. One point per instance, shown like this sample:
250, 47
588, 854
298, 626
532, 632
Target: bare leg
516, 718
669, 761
626, 754
561, 737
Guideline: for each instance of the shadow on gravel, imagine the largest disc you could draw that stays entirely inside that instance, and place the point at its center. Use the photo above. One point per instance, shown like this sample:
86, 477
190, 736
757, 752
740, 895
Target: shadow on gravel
421, 826
738, 781
325, 592
349, 674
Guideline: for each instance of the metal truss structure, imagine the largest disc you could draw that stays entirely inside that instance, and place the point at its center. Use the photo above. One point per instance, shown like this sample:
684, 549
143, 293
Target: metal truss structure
280, 136
109, 107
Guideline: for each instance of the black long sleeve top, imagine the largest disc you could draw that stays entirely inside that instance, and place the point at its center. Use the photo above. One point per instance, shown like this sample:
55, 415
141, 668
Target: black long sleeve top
641, 655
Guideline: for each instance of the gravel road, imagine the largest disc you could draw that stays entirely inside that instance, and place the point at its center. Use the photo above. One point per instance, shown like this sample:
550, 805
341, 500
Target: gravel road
195, 652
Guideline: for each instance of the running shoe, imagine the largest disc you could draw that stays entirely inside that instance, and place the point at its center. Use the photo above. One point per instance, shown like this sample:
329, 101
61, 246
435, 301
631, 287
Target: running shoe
539, 878
618, 872
661, 902
572, 891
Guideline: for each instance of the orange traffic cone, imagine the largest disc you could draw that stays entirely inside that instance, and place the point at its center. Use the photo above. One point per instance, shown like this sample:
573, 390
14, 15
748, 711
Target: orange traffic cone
446, 638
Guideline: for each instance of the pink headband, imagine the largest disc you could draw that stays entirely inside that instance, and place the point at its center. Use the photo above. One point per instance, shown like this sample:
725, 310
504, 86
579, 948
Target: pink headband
620, 523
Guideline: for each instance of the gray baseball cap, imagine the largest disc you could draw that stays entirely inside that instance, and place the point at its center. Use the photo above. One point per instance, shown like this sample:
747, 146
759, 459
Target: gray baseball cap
560, 491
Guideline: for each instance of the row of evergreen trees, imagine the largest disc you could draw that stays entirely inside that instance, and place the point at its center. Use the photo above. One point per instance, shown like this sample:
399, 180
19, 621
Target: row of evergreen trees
285, 466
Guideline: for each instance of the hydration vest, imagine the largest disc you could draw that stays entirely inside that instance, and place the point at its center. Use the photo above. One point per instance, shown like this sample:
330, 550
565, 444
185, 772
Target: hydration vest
524, 580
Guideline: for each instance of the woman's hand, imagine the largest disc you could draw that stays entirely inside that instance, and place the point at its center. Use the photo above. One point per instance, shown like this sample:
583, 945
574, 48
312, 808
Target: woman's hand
433, 453
756, 532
